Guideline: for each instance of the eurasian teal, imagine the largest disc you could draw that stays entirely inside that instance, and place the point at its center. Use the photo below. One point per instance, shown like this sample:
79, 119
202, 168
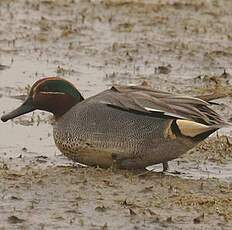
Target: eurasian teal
128, 126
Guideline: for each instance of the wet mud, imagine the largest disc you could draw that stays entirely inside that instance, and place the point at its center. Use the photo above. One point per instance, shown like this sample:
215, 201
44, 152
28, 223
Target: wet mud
174, 45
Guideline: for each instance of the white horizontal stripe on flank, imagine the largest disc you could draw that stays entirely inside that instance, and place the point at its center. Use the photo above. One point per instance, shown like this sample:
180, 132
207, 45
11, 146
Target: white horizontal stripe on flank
105, 102
155, 110
165, 113
174, 115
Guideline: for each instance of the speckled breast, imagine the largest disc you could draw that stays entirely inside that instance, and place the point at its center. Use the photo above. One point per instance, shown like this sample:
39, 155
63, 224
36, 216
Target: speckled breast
99, 130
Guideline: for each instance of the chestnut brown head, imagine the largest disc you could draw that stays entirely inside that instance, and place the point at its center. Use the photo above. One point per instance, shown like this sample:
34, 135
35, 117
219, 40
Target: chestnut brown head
51, 94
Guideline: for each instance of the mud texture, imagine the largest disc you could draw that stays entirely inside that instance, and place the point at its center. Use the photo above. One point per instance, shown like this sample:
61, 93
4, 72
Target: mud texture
174, 45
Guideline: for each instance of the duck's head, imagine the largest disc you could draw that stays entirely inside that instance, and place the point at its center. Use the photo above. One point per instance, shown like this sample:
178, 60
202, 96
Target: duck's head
51, 94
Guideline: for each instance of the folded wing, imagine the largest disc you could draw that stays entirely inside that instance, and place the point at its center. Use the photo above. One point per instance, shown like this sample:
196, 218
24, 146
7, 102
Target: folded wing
158, 103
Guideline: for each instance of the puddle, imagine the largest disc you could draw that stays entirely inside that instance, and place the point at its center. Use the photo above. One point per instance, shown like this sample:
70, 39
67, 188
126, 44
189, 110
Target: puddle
196, 171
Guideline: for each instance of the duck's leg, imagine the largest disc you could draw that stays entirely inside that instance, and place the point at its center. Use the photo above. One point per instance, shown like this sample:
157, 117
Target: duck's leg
165, 166
114, 166
115, 162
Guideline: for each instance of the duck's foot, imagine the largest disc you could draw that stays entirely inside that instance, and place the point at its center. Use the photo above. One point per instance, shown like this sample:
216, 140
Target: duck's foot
114, 166
165, 166
76, 164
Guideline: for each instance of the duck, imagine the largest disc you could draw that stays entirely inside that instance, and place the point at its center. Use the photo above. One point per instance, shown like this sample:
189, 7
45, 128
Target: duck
129, 127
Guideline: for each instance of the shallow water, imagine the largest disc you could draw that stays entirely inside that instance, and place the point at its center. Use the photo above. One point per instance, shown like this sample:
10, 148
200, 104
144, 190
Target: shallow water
36, 129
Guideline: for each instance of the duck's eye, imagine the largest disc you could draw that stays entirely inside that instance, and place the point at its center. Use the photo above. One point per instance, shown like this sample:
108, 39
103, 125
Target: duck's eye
45, 88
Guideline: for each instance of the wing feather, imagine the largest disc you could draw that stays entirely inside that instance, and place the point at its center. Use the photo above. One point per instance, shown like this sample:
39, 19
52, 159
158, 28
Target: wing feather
155, 102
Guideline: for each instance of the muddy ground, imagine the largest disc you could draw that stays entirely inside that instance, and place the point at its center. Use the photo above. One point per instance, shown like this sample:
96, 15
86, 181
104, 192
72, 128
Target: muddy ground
174, 45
